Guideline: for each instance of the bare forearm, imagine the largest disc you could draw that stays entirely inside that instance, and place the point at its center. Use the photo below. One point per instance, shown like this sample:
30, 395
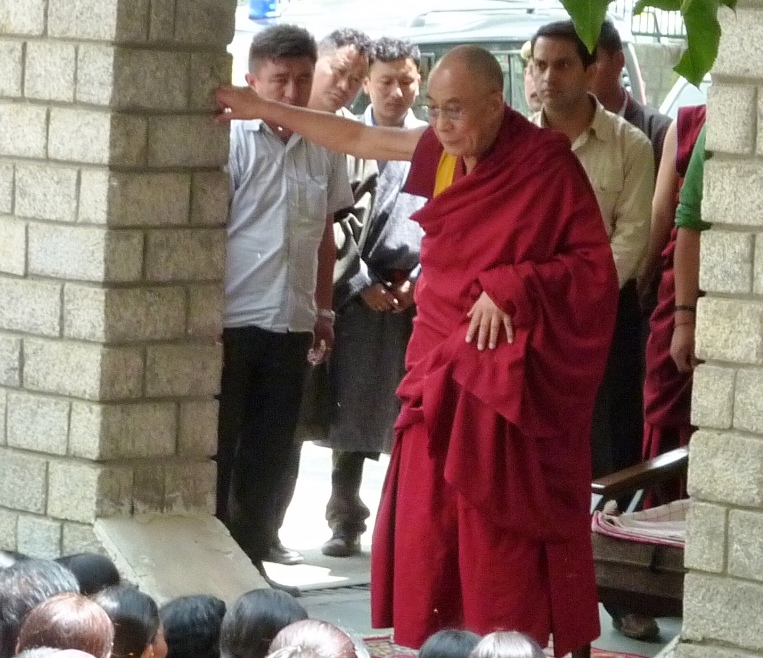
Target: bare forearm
686, 267
325, 277
664, 201
344, 135
329, 130
659, 235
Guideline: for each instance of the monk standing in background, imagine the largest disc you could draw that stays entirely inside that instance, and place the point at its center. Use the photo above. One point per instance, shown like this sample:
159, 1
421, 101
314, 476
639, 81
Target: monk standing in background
667, 388
484, 519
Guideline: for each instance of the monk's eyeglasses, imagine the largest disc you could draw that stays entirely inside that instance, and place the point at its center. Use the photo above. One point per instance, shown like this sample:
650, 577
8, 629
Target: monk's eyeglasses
449, 113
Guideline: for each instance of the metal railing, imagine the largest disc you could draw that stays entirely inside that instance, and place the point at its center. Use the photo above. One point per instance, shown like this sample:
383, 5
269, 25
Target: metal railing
654, 23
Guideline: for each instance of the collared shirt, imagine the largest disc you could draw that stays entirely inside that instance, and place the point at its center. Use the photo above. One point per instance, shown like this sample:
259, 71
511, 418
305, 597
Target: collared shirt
281, 196
619, 162
410, 120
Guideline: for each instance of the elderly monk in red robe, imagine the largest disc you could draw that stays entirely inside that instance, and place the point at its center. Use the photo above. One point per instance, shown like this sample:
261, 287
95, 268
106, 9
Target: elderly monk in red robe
484, 519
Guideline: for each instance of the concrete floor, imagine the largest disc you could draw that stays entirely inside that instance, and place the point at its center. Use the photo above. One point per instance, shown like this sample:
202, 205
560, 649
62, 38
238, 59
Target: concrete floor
336, 589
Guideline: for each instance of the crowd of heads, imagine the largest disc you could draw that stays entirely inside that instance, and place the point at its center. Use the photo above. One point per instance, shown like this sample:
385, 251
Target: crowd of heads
76, 607
286, 64
344, 60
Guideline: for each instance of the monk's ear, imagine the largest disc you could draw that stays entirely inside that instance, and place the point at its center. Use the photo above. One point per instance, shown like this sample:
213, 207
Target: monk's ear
495, 101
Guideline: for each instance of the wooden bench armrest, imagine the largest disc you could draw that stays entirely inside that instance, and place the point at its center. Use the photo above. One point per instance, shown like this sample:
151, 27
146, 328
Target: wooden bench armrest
642, 476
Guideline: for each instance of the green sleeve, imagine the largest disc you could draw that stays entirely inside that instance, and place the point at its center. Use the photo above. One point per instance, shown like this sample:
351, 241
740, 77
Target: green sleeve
689, 211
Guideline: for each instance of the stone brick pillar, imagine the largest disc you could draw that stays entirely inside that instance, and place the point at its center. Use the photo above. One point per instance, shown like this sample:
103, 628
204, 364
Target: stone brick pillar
723, 599
112, 212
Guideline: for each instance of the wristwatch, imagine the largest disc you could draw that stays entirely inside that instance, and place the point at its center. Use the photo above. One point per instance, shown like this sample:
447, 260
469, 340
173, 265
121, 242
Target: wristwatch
326, 314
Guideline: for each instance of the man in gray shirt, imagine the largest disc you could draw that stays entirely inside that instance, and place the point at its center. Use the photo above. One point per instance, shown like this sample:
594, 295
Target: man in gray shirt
278, 289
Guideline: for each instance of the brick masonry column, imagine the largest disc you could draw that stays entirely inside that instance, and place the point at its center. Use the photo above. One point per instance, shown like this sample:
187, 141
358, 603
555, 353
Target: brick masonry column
112, 239
723, 598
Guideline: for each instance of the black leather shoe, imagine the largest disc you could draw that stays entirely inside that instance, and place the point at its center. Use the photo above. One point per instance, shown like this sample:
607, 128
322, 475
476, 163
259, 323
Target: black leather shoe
637, 627
342, 545
279, 554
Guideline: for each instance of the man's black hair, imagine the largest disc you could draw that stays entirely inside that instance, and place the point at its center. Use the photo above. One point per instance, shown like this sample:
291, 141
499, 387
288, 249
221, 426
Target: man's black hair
565, 30
252, 622
387, 49
347, 36
282, 42
192, 626
93, 572
609, 38
449, 643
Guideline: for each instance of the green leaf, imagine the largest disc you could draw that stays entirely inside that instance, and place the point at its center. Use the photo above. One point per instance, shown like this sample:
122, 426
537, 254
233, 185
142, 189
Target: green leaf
587, 15
703, 36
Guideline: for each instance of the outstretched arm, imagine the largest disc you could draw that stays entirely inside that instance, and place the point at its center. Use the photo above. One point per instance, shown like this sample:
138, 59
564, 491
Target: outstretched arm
329, 130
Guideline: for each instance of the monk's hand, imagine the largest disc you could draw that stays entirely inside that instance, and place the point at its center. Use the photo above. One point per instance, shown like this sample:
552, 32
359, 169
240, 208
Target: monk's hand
378, 298
682, 347
236, 103
403, 293
487, 319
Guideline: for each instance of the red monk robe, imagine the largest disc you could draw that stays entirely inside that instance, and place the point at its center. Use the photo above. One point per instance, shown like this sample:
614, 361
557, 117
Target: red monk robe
484, 519
667, 392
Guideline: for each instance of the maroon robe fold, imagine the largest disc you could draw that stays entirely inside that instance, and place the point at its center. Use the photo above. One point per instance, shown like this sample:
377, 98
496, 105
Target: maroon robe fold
667, 392
484, 519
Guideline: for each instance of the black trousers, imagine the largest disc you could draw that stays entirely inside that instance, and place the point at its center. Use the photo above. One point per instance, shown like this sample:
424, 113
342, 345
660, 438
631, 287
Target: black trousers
618, 418
257, 455
346, 513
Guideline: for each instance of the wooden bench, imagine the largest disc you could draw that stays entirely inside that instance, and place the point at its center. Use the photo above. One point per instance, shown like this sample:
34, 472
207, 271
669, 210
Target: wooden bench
643, 578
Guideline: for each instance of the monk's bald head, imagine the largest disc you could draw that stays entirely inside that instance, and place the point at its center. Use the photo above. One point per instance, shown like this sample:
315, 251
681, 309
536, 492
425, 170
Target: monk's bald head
466, 105
480, 64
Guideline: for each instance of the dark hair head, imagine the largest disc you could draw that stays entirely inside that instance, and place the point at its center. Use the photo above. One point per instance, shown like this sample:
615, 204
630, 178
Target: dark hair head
387, 49
23, 585
135, 616
507, 644
327, 640
449, 643
92, 571
192, 626
609, 38
566, 30
68, 621
346, 36
252, 622
282, 42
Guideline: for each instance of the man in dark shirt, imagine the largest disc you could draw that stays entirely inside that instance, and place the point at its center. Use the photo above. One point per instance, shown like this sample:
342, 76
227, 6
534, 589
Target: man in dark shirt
607, 86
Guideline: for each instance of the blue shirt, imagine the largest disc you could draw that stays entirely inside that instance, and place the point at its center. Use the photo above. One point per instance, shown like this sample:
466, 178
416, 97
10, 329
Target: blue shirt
282, 193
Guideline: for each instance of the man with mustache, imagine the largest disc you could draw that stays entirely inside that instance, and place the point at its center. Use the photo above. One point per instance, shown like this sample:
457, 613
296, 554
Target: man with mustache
619, 161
